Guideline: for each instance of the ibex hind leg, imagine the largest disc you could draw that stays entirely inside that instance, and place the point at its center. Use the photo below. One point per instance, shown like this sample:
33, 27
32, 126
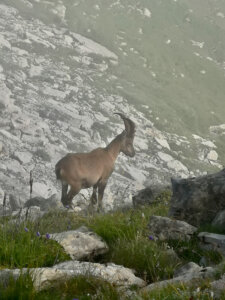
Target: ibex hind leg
64, 192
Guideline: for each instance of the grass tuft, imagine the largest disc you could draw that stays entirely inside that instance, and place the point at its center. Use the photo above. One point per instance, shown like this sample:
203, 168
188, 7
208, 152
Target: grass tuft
21, 246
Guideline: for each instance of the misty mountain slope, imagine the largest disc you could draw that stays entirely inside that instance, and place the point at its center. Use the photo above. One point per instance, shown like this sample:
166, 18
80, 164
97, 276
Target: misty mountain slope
66, 66
171, 59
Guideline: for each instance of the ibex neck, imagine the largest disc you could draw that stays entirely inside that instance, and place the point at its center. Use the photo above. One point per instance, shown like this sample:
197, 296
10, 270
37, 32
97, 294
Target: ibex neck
114, 147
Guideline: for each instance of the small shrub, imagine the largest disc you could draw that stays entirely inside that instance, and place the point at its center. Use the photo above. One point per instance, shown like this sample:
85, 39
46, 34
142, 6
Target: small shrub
146, 257
190, 251
118, 225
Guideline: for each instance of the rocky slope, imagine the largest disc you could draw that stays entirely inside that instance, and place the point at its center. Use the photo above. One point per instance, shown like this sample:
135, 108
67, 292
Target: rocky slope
51, 103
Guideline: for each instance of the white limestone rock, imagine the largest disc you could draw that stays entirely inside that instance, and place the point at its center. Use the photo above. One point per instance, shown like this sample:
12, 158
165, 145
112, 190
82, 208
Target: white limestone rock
41, 189
163, 142
14, 167
80, 243
24, 157
44, 278
212, 155
112, 273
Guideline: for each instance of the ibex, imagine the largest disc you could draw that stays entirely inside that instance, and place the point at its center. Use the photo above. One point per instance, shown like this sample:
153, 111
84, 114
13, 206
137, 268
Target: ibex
93, 169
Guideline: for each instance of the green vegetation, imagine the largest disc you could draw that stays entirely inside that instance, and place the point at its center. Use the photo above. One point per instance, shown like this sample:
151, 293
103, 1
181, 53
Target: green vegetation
200, 290
130, 245
190, 251
82, 288
89, 288
212, 228
22, 246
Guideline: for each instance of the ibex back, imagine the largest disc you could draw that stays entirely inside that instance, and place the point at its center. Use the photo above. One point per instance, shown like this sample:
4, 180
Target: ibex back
93, 169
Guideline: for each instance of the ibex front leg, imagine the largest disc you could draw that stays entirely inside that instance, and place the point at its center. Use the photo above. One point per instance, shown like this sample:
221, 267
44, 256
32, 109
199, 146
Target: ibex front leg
101, 188
74, 190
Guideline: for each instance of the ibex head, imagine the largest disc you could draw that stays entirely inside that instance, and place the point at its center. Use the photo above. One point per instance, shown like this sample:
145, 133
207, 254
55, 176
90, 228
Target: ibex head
127, 136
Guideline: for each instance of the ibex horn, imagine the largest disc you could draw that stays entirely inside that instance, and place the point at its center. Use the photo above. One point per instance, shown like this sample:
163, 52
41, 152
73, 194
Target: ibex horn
129, 125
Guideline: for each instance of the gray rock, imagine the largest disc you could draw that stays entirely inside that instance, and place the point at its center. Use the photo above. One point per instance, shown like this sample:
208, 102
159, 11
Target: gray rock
80, 243
149, 195
198, 200
191, 269
218, 287
213, 241
165, 228
186, 274
50, 203
35, 201
219, 219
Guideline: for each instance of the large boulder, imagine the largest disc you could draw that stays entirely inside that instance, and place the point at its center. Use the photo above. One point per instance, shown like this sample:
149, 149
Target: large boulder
164, 228
44, 278
198, 200
81, 243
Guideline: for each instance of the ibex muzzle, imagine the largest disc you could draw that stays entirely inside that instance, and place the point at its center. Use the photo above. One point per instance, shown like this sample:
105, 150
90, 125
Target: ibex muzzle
93, 169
